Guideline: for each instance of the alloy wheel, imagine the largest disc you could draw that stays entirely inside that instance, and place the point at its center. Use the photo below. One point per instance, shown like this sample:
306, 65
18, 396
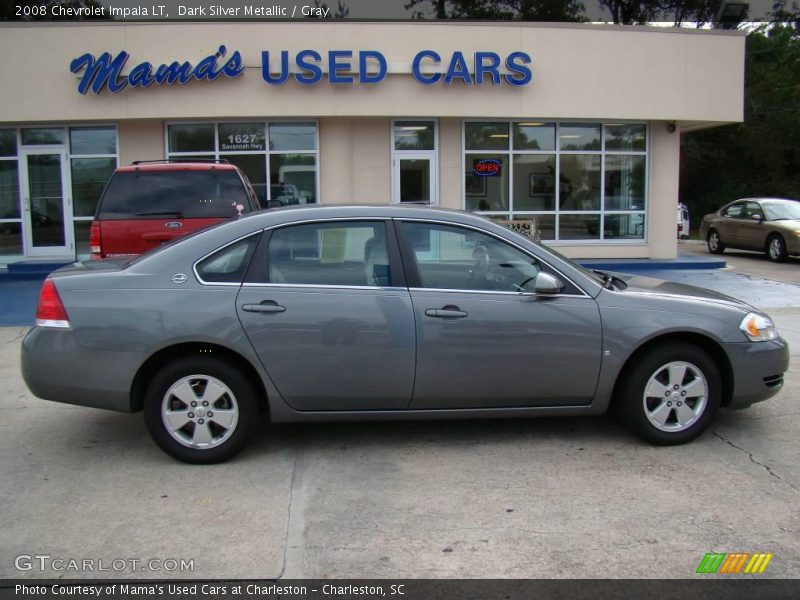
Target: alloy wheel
776, 248
199, 411
675, 396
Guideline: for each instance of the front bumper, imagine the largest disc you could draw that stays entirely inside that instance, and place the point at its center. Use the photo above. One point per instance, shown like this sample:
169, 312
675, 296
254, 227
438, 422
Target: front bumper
55, 367
758, 369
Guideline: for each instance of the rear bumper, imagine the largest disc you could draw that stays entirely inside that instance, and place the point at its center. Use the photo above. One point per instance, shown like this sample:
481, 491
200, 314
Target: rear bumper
758, 369
56, 368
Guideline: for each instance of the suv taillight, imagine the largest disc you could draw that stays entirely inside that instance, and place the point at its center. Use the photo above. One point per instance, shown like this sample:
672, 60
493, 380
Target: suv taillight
94, 240
50, 311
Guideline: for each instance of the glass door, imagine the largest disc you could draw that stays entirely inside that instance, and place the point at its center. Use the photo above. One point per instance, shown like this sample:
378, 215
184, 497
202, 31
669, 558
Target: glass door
47, 216
413, 178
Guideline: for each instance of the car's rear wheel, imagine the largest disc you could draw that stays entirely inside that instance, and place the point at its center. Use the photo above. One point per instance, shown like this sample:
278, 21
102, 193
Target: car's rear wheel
201, 410
670, 394
715, 245
776, 248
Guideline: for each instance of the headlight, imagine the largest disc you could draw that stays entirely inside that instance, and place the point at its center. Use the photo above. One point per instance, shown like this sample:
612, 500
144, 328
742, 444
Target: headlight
758, 328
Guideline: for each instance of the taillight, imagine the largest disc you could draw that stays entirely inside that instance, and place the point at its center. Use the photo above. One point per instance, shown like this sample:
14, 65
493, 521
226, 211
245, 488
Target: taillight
95, 241
50, 311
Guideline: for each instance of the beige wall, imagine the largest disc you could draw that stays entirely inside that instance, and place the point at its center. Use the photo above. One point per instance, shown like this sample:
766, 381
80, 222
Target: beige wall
355, 161
140, 140
579, 71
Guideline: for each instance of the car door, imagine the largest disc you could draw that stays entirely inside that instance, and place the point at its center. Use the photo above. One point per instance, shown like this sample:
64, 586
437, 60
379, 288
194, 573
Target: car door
327, 311
483, 343
729, 224
753, 234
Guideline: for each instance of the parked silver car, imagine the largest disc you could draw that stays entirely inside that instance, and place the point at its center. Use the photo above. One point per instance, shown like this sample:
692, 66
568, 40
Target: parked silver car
355, 313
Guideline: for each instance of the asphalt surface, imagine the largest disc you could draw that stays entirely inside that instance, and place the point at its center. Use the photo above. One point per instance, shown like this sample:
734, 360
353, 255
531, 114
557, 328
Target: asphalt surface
570, 497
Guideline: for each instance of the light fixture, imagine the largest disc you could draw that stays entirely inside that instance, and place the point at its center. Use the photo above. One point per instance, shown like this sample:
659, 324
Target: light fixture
413, 127
499, 135
530, 124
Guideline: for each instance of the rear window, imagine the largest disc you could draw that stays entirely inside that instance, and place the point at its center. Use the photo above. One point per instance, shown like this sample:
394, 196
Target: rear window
173, 195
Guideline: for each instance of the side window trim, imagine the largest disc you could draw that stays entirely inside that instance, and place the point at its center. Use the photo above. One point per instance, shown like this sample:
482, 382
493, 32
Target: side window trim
412, 271
258, 273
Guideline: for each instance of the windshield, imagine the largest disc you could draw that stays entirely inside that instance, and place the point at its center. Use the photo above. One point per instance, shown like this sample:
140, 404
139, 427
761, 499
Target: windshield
173, 195
781, 211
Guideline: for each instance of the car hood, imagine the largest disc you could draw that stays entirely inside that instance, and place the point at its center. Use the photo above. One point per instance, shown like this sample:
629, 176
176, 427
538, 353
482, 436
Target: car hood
669, 289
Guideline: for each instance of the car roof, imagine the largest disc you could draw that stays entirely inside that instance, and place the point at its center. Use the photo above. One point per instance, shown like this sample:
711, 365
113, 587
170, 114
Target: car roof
176, 166
764, 200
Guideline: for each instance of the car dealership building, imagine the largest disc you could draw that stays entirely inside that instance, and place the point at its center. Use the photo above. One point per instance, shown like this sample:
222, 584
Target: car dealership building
570, 131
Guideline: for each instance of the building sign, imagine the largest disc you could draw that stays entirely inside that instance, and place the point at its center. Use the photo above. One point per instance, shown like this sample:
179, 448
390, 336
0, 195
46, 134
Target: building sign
241, 137
486, 167
306, 67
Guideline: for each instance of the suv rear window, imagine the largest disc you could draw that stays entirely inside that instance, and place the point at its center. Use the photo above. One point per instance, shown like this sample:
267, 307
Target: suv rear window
173, 194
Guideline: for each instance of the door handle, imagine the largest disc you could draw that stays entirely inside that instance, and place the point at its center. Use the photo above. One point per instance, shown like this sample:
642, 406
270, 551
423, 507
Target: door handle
446, 312
267, 306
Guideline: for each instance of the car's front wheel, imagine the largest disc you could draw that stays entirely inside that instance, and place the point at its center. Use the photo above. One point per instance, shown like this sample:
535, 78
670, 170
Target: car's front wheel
201, 410
670, 394
776, 248
715, 245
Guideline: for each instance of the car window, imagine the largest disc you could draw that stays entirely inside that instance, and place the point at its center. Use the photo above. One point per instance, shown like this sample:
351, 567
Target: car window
752, 209
174, 195
449, 257
340, 253
229, 264
734, 211
782, 211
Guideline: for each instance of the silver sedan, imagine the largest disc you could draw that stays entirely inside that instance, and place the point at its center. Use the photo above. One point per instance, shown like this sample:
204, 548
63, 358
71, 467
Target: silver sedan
355, 313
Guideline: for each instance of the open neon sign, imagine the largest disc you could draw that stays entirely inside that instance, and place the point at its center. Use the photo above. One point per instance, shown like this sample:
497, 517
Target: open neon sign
486, 167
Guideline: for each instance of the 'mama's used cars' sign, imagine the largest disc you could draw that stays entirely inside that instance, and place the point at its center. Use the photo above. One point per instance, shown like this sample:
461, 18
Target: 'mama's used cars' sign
306, 67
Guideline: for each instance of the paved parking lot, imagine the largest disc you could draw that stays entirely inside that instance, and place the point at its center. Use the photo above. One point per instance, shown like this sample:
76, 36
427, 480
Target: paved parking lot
576, 497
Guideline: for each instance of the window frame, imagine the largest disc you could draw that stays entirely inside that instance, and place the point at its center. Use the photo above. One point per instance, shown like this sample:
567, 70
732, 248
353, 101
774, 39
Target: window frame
67, 147
258, 273
266, 153
397, 155
510, 152
415, 282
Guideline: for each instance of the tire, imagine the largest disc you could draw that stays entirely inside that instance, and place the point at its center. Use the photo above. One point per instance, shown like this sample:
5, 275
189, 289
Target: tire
715, 245
776, 248
647, 401
215, 432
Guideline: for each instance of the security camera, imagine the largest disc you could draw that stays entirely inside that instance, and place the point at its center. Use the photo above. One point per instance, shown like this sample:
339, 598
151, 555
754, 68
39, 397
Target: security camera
671, 127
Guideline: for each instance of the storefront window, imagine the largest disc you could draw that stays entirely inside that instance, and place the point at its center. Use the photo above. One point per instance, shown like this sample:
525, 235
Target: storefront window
89, 178
534, 136
486, 182
626, 137
292, 136
579, 182
535, 181
283, 171
8, 142
191, 138
241, 137
575, 181
292, 178
624, 183
486, 136
576, 137
42, 136
414, 135
9, 189
92, 160
92, 140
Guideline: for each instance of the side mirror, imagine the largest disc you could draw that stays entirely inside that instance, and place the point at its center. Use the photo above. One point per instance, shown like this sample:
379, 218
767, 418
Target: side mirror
757, 217
547, 284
